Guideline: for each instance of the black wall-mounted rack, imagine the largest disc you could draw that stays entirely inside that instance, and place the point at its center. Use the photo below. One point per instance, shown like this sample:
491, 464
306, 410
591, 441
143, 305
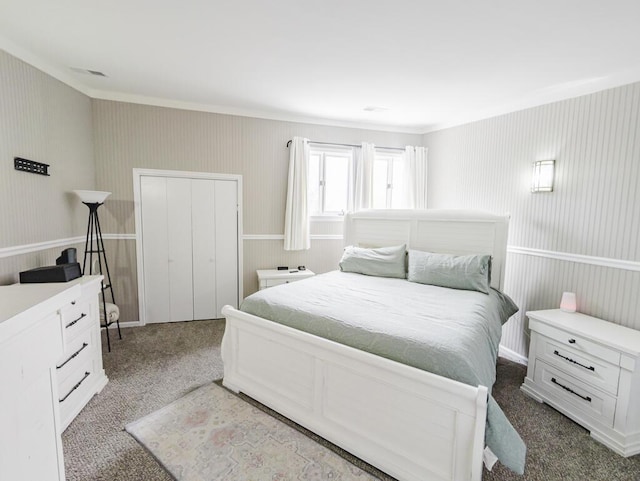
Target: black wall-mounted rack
32, 166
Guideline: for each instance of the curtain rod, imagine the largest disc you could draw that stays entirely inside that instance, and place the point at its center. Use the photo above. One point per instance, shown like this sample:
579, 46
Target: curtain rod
348, 145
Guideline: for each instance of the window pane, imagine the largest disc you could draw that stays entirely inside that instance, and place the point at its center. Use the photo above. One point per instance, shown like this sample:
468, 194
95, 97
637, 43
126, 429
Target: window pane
399, 198
313, 193
336, 189
379, 198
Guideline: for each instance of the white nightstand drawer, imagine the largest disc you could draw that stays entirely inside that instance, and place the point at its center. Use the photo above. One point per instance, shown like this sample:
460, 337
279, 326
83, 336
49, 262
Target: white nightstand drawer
277, 282
576, 342
580, 365
574, 394
272, 277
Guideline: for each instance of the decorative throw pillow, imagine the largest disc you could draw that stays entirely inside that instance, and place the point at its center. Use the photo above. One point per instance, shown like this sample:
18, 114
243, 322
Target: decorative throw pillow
381, 262
472, 272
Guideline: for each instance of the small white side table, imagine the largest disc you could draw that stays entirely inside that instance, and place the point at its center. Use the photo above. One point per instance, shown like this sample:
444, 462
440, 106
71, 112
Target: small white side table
274, 277
589, 370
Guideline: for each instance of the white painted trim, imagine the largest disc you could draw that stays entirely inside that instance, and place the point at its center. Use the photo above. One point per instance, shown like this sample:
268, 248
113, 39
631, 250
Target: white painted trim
327, 218
118, 237
579, 258
512, 355
137, 175
39, 246
255, 237
126, 324
252, 237
64, 76
246, 112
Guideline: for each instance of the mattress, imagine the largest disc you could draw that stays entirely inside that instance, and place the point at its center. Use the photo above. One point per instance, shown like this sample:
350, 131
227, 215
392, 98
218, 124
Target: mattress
449, 332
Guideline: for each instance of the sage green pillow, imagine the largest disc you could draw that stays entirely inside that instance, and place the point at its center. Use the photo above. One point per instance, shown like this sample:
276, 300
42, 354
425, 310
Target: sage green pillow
381, 262
472, 273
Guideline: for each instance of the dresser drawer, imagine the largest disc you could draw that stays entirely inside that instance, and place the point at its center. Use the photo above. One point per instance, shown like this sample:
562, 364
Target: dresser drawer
579, 364
577, 343
574, 394
79, 353
74, 391
76, 317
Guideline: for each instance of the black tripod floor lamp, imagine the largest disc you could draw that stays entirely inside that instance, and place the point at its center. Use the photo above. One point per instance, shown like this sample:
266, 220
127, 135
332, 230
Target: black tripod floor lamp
94, 246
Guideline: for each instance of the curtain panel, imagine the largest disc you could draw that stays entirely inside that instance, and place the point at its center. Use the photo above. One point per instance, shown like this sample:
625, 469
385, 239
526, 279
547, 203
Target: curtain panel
416, 178
363, 189
296, 221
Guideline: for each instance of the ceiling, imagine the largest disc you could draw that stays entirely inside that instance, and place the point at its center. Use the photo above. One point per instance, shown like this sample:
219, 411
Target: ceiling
422, 64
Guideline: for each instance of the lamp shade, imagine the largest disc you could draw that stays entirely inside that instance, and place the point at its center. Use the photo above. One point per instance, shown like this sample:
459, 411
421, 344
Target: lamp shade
92, 196
568, 302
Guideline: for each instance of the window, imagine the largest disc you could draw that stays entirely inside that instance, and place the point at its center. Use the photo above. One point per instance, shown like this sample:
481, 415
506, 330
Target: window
389, 181
330, 181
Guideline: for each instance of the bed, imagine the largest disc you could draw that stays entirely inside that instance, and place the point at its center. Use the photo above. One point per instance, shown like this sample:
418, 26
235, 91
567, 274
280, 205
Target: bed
361, 394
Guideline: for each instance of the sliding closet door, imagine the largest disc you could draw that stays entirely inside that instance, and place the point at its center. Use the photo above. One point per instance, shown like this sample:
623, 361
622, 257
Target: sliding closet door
204, 248
155, 251
226, 229
180, 249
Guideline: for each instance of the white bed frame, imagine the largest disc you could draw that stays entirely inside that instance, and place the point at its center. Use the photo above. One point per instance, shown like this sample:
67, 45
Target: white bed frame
411, 424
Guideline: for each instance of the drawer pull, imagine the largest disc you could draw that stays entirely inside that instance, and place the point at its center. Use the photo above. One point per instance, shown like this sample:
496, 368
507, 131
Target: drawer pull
586, 398
590, 368
73, 322
73, 303
572, 341
84, 344
86, 375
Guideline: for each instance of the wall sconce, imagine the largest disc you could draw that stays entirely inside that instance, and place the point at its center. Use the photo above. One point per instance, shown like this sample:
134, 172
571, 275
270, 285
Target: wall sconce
542, 179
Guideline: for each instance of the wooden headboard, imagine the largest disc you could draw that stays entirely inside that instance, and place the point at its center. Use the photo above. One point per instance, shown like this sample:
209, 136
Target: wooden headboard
458, 232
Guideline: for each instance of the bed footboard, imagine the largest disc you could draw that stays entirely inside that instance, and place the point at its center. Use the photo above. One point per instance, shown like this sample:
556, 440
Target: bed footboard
409, 423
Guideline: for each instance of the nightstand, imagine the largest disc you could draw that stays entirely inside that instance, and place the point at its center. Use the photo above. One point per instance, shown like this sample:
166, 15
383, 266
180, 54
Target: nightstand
589, 370
274, 277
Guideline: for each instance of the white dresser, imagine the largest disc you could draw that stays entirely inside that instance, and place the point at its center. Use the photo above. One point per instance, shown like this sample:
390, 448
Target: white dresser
275, 277
588, 369
43, 326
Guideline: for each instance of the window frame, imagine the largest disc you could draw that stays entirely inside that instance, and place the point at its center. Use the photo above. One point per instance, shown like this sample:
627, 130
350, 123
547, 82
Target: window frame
338, 151
390, 157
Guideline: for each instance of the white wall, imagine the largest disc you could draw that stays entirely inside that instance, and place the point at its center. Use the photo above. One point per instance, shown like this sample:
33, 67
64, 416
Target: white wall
594, 211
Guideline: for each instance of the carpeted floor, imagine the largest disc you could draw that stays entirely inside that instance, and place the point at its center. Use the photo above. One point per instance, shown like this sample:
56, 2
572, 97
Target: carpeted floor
157, 364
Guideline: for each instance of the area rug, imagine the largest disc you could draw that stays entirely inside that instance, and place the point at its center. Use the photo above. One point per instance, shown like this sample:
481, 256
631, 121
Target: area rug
211, 434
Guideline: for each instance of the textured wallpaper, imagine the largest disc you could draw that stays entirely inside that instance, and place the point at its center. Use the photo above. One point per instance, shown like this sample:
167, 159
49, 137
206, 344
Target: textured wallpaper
129, 136
594, 210
44, 120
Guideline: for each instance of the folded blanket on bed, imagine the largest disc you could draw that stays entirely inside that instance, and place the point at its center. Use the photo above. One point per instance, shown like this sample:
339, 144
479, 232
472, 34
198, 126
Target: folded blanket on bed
449, 332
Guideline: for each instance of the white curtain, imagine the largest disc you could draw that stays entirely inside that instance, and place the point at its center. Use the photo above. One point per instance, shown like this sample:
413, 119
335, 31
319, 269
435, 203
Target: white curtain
363, 191
296, 221
416, 178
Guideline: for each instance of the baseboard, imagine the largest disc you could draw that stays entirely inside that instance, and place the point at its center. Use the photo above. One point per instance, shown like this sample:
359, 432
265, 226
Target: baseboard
126, 324
512, 355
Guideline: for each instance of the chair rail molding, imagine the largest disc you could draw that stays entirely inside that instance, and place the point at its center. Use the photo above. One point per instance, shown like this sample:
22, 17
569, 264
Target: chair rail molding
561, 256
579, 258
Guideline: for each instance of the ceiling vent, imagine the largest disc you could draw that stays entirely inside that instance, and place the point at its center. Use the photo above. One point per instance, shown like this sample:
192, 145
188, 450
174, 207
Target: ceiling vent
86, 71
372, 108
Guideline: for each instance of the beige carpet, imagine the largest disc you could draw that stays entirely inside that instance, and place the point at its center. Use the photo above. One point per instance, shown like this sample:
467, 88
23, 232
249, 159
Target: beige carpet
211, 434
157, 364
